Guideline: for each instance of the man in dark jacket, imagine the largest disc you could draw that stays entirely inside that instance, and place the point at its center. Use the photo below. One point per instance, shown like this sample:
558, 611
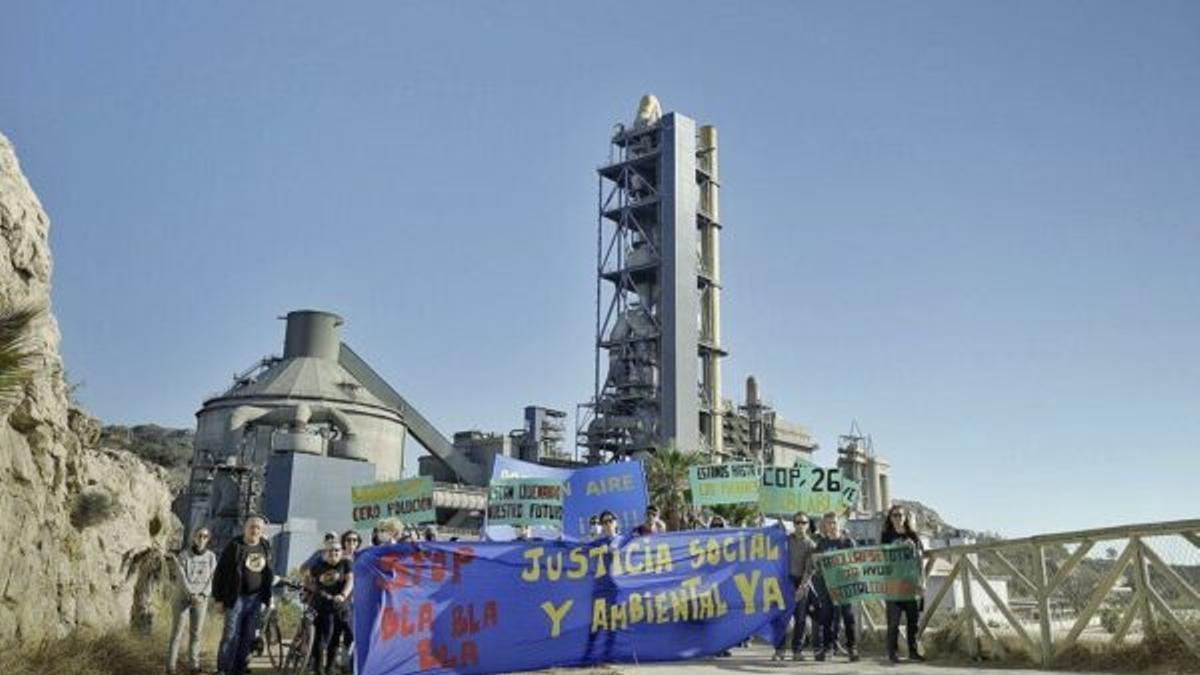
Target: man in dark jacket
242, 585
832, 539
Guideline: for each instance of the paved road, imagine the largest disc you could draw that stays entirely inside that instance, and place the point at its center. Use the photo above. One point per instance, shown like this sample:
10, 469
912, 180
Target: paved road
756, 660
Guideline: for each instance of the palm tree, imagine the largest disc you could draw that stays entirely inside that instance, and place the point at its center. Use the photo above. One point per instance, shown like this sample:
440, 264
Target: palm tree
15, 354
667, 479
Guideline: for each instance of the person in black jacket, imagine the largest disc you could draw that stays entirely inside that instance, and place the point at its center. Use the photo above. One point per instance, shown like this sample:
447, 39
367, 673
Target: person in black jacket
832, 538
241, 586
898, 528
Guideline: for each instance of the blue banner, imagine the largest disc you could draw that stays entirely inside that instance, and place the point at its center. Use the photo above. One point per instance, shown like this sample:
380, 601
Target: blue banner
485, 607
618, 487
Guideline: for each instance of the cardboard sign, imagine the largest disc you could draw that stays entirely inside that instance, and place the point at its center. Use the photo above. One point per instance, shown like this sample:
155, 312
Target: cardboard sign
890, 572
730, 483
805, 488
410, 500
526, 501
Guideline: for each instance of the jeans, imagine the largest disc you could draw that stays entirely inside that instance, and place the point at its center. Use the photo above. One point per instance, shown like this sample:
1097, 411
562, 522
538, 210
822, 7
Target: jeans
183, 610
829, 624
911, 613
804, 604
241, 622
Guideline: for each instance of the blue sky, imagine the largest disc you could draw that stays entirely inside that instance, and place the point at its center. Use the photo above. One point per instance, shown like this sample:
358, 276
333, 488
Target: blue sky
973, 227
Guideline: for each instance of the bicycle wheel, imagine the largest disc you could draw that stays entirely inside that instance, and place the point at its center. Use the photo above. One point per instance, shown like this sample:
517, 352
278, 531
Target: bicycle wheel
273, 639
296, 661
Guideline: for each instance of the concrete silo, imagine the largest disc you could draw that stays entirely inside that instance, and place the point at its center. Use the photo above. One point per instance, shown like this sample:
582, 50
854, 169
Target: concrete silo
290, 437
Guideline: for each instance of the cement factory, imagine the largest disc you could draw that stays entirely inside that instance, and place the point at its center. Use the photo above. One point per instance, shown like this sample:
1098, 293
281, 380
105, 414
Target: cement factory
294, 432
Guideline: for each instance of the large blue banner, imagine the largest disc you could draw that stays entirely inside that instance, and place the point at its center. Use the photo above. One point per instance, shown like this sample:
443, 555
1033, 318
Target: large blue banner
484, 607
618, 487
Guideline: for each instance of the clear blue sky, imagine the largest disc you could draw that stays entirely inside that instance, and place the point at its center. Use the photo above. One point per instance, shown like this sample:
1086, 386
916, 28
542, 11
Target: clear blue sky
973, 227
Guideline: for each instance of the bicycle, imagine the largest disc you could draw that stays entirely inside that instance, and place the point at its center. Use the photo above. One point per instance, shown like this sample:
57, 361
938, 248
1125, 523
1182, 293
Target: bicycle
270, 638
295, 660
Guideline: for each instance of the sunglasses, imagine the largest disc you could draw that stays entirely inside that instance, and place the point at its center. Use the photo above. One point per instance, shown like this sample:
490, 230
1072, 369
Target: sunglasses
608, 520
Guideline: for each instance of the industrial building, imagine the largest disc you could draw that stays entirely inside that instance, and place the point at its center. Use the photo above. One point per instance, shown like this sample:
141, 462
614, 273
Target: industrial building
294, 432
658, 286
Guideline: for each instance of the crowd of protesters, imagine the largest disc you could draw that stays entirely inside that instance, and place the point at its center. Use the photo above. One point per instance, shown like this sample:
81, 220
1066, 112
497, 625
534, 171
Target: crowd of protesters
241, 579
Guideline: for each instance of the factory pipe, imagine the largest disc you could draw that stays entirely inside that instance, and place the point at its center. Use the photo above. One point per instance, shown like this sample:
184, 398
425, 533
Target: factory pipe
712, 247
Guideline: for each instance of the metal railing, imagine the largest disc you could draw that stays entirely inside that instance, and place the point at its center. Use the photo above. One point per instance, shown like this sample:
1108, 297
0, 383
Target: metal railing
1050, 592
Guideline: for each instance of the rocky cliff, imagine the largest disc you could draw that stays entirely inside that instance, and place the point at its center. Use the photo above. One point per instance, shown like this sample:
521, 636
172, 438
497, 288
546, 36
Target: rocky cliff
75, 520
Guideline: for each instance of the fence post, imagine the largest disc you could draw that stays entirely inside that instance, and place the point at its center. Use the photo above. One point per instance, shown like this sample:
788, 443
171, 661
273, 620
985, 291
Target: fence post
1043, 598
969, 606
1142, 583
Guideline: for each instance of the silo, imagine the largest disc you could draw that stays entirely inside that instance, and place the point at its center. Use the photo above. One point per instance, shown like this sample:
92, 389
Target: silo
299, 425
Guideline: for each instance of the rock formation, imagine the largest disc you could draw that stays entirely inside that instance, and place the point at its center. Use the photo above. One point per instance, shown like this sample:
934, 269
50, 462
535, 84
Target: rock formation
74, 520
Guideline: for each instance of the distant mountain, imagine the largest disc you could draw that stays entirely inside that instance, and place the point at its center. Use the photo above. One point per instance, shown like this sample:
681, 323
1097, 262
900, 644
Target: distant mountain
929, 522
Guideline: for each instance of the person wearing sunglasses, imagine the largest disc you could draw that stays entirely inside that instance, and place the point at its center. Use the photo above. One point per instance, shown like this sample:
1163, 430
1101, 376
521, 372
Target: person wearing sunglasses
343, 623
194, 568
897, 527
801, 568
609, 526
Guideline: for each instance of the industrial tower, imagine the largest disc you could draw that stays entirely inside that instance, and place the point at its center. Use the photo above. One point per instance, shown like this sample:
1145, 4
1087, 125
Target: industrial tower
658, 303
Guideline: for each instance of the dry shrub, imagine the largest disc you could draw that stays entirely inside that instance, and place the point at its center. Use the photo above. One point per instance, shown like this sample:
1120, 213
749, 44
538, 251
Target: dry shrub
92, 507
119, 652
1162, 652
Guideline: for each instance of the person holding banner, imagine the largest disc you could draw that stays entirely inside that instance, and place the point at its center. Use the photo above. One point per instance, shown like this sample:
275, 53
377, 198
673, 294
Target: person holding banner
800, 571
332, 580
832, 539
898, 528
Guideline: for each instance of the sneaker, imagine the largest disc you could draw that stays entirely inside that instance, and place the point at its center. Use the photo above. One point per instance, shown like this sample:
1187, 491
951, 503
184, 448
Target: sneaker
821, 655
778, 655
893, 657
852, 654
797, 655
915, 655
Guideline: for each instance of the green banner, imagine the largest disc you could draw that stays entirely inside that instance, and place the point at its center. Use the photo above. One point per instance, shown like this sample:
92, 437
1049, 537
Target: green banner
890, 572
410, 500
525, 501
731, 483
806, 488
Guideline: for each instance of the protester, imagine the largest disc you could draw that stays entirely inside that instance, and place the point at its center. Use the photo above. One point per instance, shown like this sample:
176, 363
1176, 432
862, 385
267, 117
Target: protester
194, 569
800, 571
608, 524
652, 525
242, 585
832, 538
594, 530
430, 534
716, 523
343, 626
389, 531
524, 532
315, 556
331, 583
898, 528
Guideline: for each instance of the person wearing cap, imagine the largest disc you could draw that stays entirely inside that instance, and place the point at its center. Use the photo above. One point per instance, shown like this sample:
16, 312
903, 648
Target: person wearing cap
319, 553
330, 580
194, 567
652, 525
